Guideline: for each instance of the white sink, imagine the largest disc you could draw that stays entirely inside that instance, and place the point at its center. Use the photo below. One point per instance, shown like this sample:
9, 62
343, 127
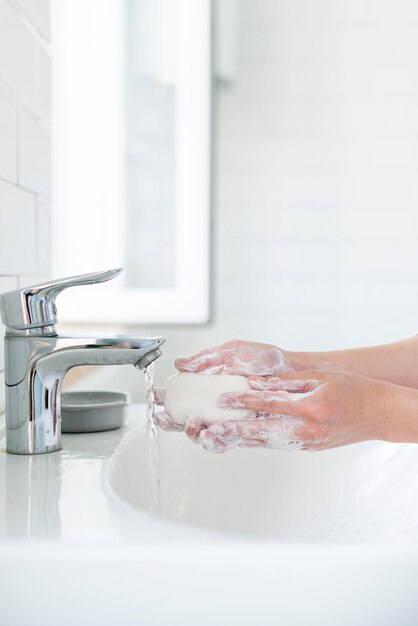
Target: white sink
358, 493
249, 537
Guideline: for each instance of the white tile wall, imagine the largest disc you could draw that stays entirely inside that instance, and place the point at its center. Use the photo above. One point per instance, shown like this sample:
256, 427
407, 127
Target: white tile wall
43, 242
19, 54
24, 147
18, 253
38, 11
8, 134
34, 153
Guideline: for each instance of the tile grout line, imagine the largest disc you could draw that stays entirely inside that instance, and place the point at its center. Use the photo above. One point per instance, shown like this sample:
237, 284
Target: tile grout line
45, 123
31, 25
18, 133
33, 192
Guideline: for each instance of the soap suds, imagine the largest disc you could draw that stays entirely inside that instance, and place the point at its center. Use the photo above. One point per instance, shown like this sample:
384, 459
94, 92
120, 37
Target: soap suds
165, 422
277, 384
193, 426
237, 358
268, 399
278, 433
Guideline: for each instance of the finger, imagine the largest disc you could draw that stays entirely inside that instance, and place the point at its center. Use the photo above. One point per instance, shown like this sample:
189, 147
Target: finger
165, 422
258, 428
275, 383
192, 427
210, 359
282, 433
212, 443
277, 402
159, 396
319, 375
253, 444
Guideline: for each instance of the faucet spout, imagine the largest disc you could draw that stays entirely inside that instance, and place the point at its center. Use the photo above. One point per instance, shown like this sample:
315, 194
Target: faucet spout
35, 370
149, 358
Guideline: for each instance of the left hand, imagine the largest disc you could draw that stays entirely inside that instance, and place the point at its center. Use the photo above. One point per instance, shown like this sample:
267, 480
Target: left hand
312, 410
242, 358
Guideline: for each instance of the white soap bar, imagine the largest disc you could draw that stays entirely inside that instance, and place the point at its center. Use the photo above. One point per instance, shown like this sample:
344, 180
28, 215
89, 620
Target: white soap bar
187, 395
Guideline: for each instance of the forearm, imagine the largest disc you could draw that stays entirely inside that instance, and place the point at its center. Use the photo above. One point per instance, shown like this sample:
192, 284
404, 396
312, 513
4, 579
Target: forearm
400, 422
395, 362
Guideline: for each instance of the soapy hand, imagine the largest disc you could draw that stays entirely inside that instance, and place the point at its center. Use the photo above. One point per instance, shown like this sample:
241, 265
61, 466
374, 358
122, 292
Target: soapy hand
192, 426
311, 410
308, 400
243, 358
233, 357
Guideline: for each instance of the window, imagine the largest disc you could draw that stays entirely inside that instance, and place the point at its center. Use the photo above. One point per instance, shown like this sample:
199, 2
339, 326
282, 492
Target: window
131, 157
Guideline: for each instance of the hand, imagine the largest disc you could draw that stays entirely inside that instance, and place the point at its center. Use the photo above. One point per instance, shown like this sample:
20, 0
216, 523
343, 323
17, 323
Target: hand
192, 426
237, 357
312, 410
234, 357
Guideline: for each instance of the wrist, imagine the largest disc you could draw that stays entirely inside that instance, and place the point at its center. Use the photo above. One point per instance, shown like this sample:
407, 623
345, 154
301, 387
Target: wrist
300, 361
400, 419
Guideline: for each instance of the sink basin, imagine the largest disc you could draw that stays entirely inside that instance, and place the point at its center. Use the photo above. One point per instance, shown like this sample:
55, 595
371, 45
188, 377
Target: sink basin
249, 537
358, 493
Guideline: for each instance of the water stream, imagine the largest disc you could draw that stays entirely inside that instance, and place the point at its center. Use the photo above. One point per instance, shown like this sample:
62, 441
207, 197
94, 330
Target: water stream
153, 440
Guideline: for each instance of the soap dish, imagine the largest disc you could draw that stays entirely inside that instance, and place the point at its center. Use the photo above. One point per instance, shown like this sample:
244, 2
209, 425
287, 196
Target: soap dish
92, 411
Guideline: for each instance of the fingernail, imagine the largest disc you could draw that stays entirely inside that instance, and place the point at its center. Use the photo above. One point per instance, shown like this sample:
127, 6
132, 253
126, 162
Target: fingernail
185, 366
229, 400
257, 384
182, 360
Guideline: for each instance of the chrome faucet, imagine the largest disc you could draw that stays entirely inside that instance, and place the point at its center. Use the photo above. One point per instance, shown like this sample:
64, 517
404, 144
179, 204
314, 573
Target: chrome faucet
37, 360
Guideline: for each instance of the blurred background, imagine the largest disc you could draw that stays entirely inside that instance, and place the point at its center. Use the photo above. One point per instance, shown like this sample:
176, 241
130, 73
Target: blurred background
311, 212
314, 184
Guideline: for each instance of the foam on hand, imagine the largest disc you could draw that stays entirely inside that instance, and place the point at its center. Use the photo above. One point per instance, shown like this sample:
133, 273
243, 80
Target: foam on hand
188, 395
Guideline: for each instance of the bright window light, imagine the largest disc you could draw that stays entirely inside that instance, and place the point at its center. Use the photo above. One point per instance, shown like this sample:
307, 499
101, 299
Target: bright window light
89, 151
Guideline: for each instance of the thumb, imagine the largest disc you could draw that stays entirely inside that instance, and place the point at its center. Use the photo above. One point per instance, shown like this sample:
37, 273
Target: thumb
159, 396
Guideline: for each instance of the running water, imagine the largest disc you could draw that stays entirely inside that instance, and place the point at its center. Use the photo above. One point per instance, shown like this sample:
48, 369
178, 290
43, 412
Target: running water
153, 440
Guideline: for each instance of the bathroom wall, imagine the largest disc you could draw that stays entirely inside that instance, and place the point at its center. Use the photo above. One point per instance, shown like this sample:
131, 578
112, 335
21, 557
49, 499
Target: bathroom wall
315, 182
24, 146
315, 161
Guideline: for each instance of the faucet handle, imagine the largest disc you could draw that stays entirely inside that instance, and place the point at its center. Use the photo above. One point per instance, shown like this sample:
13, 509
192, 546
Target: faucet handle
34, 307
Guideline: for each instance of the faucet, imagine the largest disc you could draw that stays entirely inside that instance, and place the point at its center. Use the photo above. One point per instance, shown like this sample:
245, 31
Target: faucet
37, 359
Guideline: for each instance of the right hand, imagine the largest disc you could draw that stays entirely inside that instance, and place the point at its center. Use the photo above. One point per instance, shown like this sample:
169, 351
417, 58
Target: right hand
243, 358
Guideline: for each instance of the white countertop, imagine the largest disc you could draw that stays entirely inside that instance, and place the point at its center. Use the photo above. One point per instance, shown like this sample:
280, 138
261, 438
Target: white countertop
64, 496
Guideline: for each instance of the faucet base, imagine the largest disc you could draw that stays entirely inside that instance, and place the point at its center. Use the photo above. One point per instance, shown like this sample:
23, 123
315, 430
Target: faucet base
35, 368
34, 453
25, 441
